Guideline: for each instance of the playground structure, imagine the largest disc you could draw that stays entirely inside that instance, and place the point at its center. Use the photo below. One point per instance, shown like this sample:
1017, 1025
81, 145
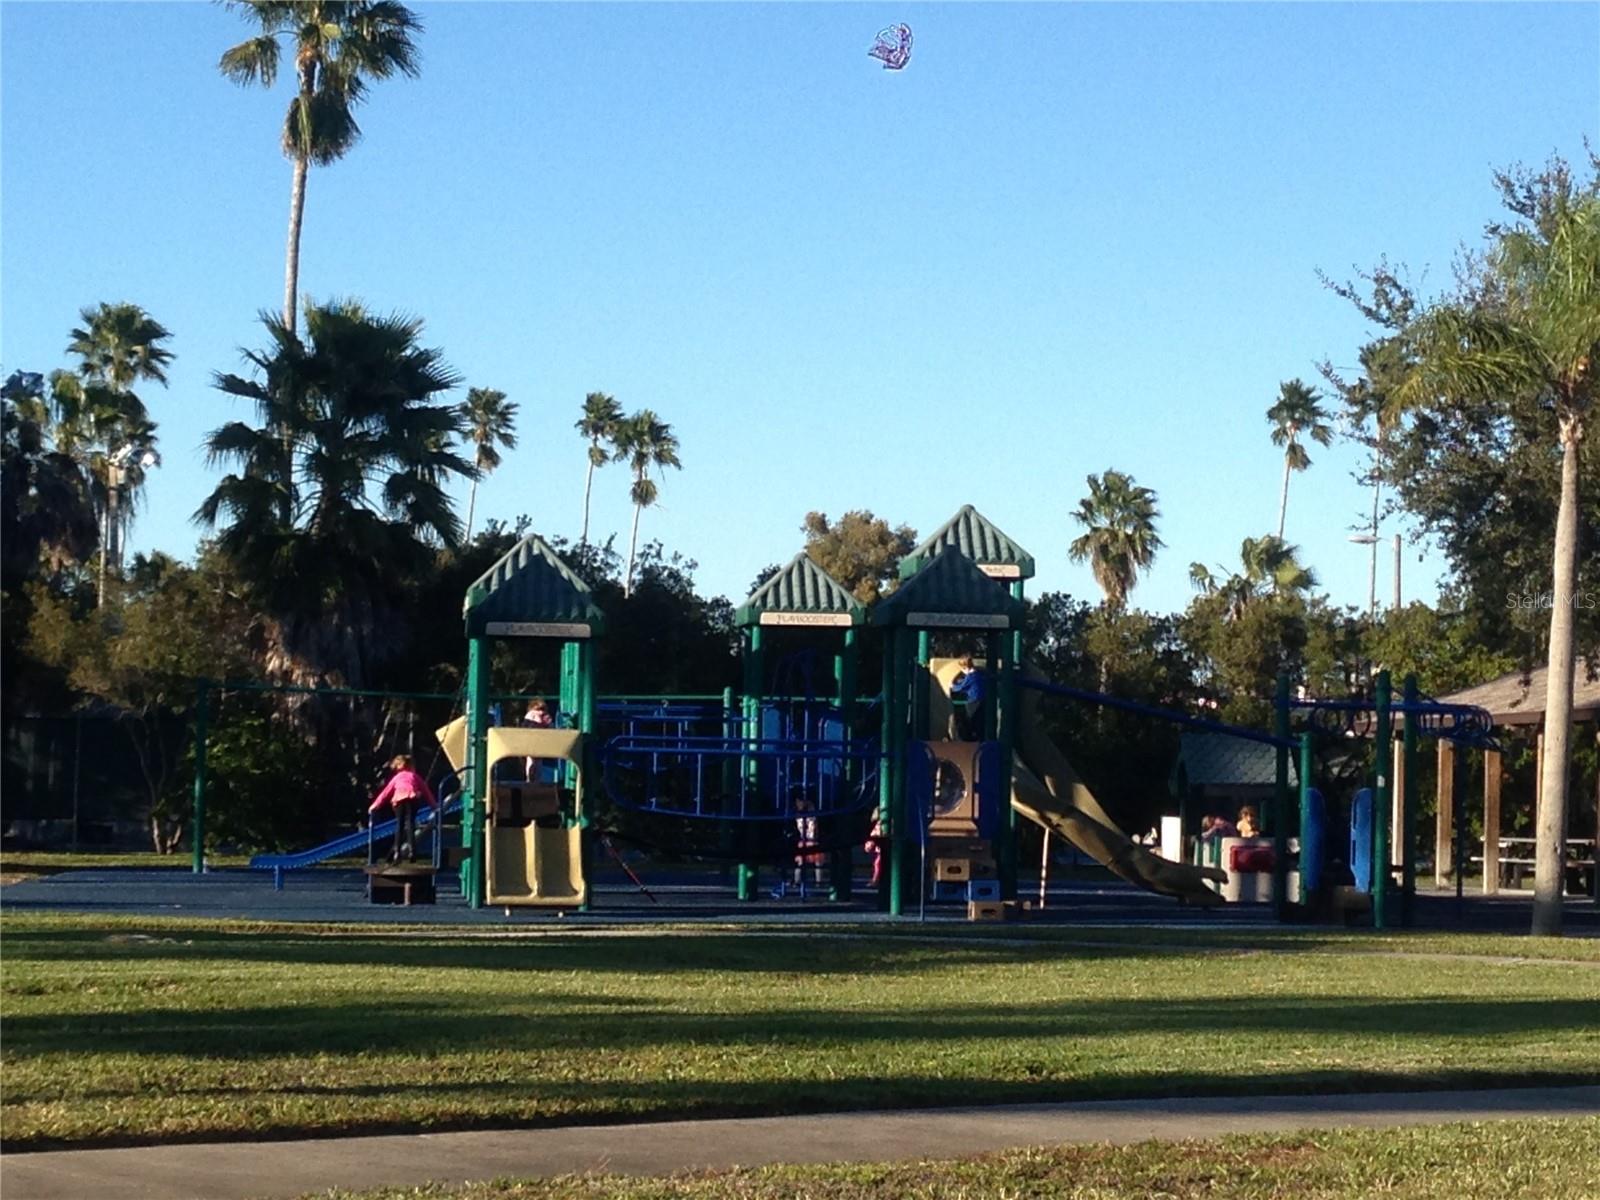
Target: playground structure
800, 765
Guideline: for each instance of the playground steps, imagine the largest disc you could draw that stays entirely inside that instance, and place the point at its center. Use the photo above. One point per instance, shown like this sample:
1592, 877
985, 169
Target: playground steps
401, 883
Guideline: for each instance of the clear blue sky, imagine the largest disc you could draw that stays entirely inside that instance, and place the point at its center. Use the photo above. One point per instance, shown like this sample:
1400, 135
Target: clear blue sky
1065, 238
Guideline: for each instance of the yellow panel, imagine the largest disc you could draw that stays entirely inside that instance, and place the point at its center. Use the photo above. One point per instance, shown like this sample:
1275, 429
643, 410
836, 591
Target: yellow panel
535, 743
453, 740
536, 867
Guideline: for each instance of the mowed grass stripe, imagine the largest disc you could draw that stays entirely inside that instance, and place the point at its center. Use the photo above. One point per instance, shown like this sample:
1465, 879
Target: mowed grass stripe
197, 1032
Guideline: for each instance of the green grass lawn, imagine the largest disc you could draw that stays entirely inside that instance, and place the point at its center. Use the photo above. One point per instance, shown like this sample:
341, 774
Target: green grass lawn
136, 1030
1514, 1160
25, 864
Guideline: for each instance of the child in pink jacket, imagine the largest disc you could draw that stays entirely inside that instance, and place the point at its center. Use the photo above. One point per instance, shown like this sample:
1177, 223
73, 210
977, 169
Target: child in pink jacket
404, 789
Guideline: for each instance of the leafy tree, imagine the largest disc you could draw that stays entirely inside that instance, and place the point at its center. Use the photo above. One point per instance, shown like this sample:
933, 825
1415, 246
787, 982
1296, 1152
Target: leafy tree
1296, 415
860, 550
46, 504
338, 46
602, 417
1519, 342
337, 501
176, 624
643, 441
1119, 539
490, 422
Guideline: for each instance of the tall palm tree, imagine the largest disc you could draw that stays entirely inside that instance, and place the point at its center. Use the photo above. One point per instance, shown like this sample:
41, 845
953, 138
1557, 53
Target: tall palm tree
101, 420
643, 441
601, 416
1119, 539
337, 498
338, 45
1298, 414
490, 421
1534, 332
1267, 566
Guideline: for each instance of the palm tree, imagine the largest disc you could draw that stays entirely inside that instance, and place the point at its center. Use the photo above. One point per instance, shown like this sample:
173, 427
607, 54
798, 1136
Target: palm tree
101, 420
46, 506
643, 441
337, 499
1298, 413
338, 45
1534, 331
1268, 565
490, 421
1119, 519
601, 416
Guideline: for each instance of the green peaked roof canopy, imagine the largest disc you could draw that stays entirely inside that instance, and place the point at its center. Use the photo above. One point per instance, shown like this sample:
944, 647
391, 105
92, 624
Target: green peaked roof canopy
530, 592
950, 592
801, 594
975, 536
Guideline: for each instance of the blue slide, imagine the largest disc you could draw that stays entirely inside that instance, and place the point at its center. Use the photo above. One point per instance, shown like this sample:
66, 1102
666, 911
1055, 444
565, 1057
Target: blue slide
348, 844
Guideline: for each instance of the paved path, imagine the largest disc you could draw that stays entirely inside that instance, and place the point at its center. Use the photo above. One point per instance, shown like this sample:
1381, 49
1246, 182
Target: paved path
238, 1171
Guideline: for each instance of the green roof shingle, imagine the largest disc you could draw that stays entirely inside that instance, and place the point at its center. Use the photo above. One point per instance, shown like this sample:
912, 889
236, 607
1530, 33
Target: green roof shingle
975, 536
530, 592
950, 592
801, 594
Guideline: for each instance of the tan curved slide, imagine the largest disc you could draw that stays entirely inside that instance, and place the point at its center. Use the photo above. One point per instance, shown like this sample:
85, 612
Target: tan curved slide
1047, 791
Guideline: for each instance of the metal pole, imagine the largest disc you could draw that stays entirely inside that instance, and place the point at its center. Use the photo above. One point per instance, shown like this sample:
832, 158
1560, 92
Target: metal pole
475, 787
896, 703
77, 773
202, 714
1397, 572
1280, 800
754, 678
1044, 868
1381, 800
1408, 797
1310, 865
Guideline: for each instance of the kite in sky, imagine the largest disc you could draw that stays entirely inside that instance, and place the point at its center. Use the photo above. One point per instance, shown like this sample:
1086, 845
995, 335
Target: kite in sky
893, 47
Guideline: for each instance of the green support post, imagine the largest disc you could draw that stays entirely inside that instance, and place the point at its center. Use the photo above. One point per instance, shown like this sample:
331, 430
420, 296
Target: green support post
1008, 815
750, 873
1408, 801
1280, 799
843, 882
921, 706
887, 824
1005, 706
585, 664
1382, 803
902, 823
202, 720
730, 790
476, 792
1305, 809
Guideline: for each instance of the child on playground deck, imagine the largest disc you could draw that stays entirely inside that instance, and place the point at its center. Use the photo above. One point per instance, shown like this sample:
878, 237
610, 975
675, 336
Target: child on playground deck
401, 793
1249, 823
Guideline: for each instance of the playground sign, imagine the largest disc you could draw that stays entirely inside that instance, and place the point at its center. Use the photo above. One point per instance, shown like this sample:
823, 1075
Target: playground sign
1001, 570
960, 620
793, 618
552, 629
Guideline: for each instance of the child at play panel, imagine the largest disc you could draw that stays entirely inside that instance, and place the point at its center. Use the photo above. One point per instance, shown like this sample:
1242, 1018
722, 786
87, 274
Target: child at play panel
404, 789
966, 702
1249, 824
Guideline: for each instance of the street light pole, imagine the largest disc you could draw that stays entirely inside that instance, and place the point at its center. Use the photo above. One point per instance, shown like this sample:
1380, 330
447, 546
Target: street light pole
1396, 570
116, 467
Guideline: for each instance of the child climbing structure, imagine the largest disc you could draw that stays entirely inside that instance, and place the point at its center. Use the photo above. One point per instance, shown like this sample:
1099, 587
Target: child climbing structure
753, 769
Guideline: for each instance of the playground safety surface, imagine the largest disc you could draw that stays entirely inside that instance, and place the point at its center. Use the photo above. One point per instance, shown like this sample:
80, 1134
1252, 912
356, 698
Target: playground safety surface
237, 1171
336, 895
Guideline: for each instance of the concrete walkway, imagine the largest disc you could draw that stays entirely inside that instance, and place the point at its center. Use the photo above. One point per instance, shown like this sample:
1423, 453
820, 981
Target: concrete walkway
240, 1171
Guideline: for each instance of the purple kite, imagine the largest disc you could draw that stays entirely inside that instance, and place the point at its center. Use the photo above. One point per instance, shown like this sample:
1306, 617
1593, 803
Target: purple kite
893, 47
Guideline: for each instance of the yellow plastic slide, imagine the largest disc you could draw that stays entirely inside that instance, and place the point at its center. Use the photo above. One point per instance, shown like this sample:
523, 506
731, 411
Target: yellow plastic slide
1047, 791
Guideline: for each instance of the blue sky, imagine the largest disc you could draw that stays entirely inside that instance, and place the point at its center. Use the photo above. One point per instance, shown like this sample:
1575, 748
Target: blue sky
1065, 238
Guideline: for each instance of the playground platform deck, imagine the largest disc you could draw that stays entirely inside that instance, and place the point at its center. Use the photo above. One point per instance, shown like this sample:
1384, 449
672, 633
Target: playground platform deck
336, 895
